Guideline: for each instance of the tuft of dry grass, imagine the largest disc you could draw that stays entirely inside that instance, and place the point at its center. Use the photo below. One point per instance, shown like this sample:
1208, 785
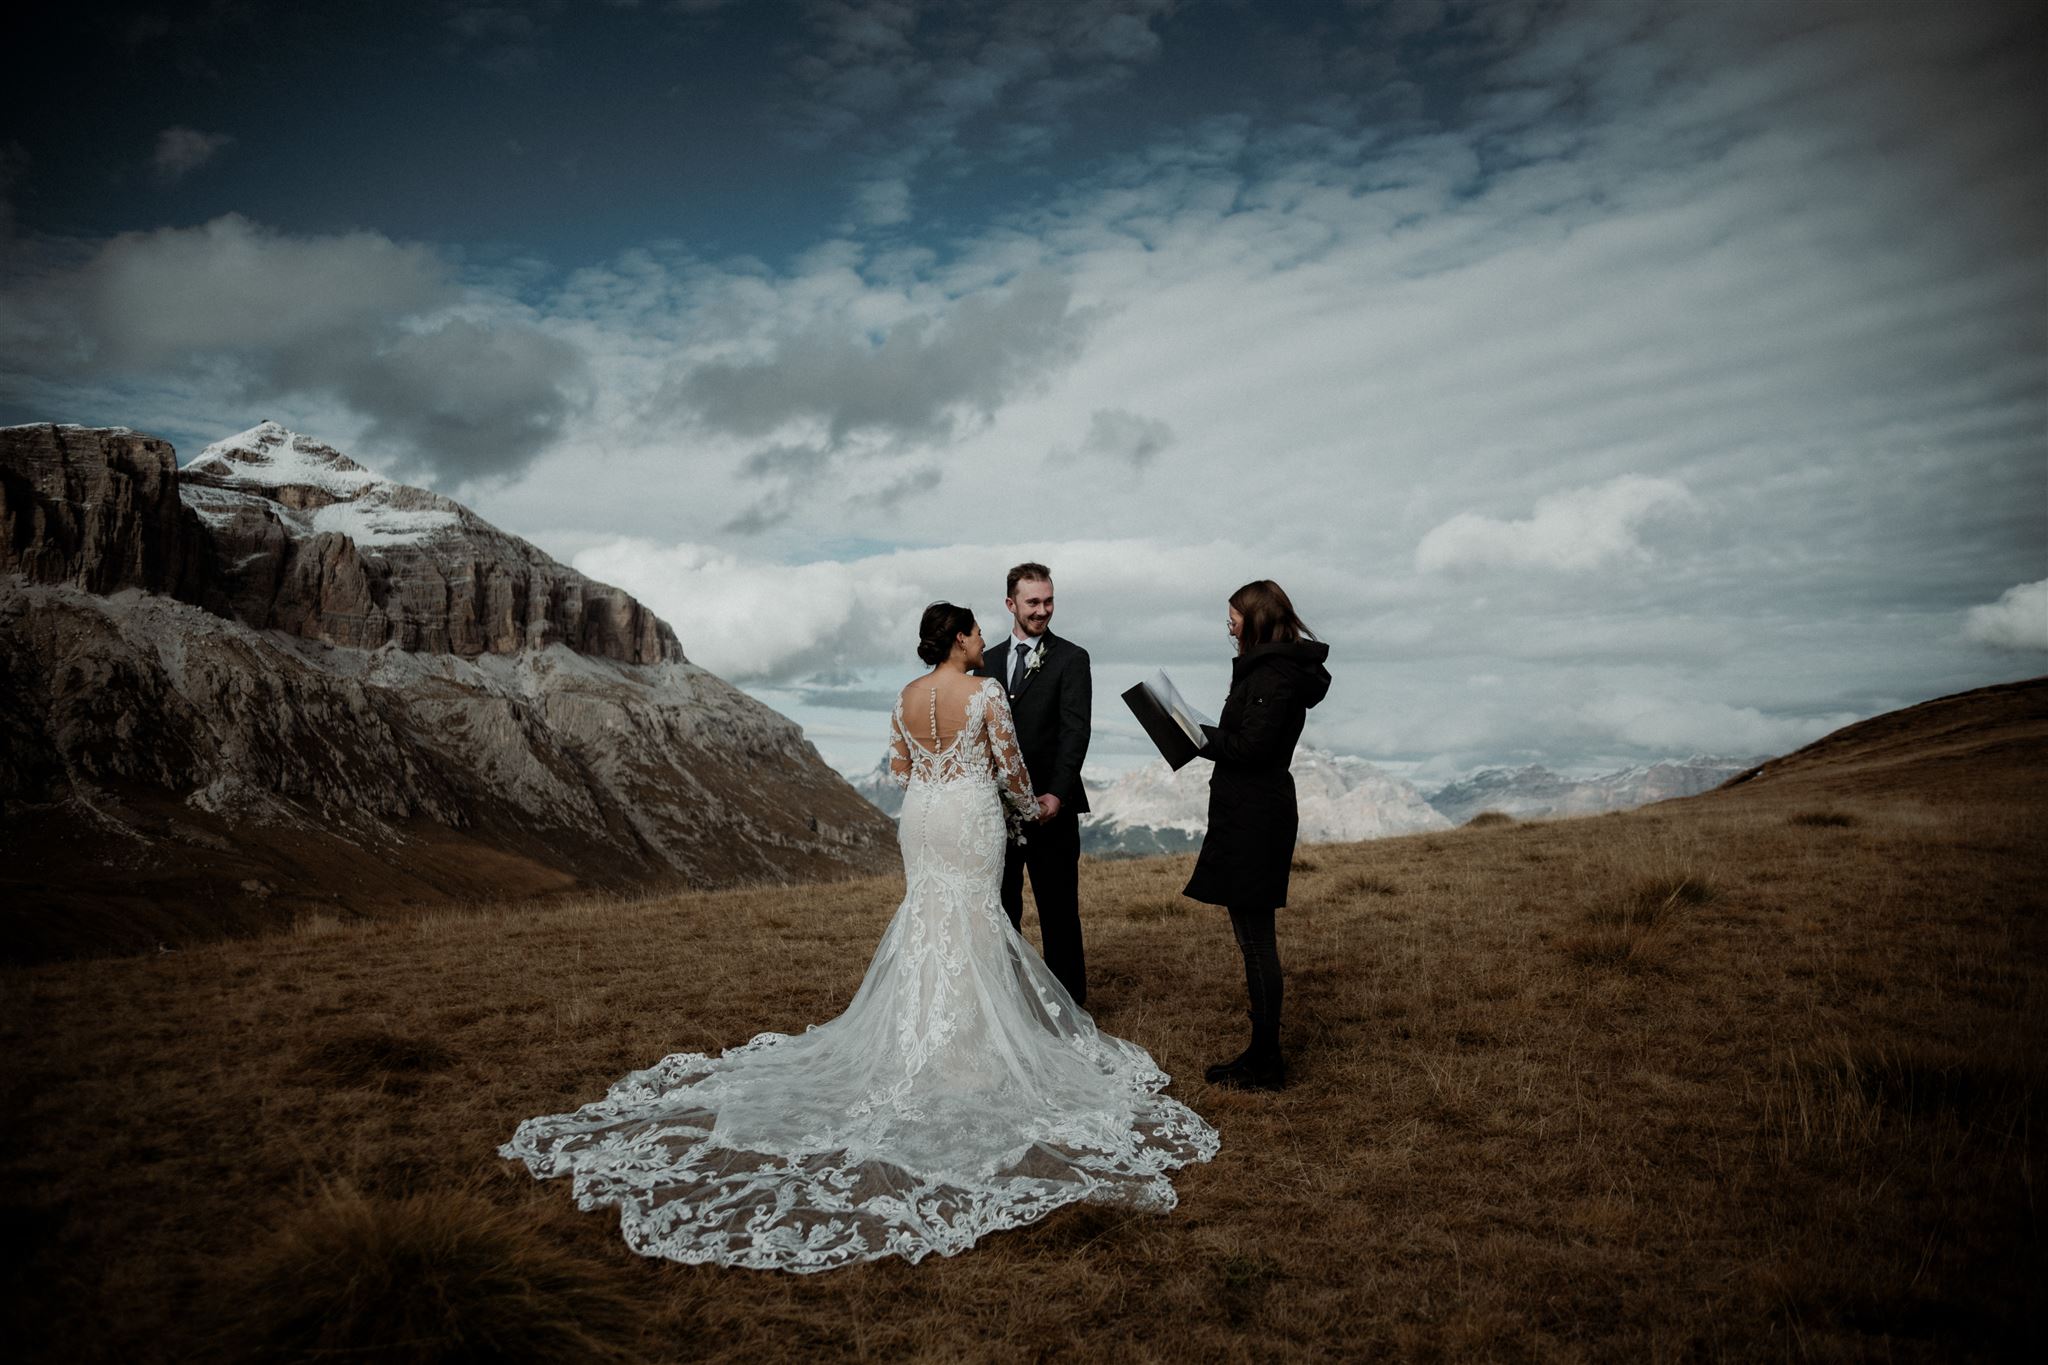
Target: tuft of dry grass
1817, 1107
1488, 819
1686, 1082
1636, 925
440, 1278
1825, 819
1654, 900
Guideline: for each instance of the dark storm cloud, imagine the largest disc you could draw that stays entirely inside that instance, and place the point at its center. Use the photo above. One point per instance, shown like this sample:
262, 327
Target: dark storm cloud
873, 701
909, 80
181, 151
914, 383
796, 472
508, 39
254, 315
13, 161
788, 469
472, 400
764, 515
1118, 437
881, 398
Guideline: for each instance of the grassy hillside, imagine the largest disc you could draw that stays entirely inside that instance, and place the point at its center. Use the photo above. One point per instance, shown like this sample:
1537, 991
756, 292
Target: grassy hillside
1756, 1074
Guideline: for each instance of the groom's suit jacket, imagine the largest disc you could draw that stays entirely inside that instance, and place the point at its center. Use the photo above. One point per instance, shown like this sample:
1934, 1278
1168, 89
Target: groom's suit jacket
1052, 709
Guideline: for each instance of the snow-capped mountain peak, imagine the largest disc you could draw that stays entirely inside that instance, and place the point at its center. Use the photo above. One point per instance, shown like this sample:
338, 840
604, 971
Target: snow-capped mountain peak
268, 455
314, 488
879, 788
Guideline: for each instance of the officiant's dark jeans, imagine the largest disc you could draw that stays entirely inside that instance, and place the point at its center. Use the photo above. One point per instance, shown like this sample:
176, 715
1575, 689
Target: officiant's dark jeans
1052, 852
1255, 939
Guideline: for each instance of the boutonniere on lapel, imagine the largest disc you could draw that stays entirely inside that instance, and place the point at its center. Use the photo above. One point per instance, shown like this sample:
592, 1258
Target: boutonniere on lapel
1036, 661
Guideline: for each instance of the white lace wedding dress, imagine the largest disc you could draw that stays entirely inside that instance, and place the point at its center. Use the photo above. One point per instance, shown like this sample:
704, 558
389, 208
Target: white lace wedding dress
961, 1092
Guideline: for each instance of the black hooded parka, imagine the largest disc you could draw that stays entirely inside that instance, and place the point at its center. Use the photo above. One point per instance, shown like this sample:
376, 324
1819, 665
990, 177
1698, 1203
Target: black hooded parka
1247, 853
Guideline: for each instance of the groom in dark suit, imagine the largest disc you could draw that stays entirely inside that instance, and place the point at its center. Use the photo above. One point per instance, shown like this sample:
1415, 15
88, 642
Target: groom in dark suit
1050, 695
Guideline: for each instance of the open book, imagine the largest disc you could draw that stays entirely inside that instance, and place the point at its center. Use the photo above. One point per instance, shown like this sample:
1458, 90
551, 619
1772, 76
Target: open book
1175, 726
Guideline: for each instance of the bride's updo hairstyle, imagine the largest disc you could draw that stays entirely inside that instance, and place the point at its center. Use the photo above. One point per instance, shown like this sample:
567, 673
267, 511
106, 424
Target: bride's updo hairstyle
1268, 615
943, 623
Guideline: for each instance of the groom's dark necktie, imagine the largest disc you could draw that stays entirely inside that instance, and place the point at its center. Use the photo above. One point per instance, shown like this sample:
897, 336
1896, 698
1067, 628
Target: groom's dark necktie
1018, 653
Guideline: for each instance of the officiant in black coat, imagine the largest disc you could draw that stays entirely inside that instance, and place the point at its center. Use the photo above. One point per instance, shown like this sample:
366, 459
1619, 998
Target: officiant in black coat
1248, 850
1051, 694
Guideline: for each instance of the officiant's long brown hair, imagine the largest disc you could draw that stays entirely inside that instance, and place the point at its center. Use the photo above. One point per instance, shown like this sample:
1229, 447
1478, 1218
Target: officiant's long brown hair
1268, 615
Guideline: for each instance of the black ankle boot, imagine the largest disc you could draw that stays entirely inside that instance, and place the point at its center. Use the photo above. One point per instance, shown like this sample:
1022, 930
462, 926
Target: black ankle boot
1225, 1072
1261, 1067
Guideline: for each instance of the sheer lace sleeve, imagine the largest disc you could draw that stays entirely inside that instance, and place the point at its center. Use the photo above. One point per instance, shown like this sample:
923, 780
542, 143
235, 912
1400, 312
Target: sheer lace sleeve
1005, 760
899, 750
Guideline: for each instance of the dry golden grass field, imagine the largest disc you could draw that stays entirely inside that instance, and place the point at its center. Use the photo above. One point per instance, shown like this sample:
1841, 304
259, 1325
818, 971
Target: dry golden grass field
1756, 1075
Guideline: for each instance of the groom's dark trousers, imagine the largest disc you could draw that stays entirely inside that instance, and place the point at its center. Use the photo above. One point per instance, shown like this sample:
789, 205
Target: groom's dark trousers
1053, 856
1051, 705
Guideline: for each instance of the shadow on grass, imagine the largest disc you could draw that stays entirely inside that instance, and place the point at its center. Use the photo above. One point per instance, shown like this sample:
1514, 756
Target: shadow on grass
373, 1055
1825, 819
439, 1277
1839, 1103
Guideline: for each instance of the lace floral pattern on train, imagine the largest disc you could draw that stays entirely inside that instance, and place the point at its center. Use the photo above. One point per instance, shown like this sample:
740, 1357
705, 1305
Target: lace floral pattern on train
961, 1092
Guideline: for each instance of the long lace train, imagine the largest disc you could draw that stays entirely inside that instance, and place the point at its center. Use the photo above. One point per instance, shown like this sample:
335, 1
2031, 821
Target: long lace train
960, 1092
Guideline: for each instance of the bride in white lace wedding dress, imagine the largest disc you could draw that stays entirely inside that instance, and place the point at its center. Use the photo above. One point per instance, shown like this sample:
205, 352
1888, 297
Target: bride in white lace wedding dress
961, 1092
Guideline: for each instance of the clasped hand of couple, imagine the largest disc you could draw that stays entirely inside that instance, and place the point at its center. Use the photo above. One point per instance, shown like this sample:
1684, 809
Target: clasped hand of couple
1048, 806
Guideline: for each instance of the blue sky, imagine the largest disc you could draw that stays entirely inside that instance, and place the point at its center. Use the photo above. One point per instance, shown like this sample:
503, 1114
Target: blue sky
1606, 381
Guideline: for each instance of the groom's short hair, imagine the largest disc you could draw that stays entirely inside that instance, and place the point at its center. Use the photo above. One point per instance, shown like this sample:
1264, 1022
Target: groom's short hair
1030, 569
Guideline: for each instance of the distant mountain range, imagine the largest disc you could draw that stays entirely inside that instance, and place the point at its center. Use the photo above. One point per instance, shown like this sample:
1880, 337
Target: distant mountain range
1535, 792
1152, 809
880, 791
273, 681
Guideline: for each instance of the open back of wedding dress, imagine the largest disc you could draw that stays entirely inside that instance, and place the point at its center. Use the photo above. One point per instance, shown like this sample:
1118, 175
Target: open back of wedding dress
961, 1092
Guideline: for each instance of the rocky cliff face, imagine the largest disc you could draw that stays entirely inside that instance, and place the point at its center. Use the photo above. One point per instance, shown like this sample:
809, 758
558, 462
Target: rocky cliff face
313, 544
98, 507
275, 682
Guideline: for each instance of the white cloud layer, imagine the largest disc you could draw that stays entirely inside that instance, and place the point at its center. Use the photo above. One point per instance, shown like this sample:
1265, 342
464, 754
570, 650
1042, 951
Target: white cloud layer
755, 622
1679, 725
1585, 528
767, 622
2018, 620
